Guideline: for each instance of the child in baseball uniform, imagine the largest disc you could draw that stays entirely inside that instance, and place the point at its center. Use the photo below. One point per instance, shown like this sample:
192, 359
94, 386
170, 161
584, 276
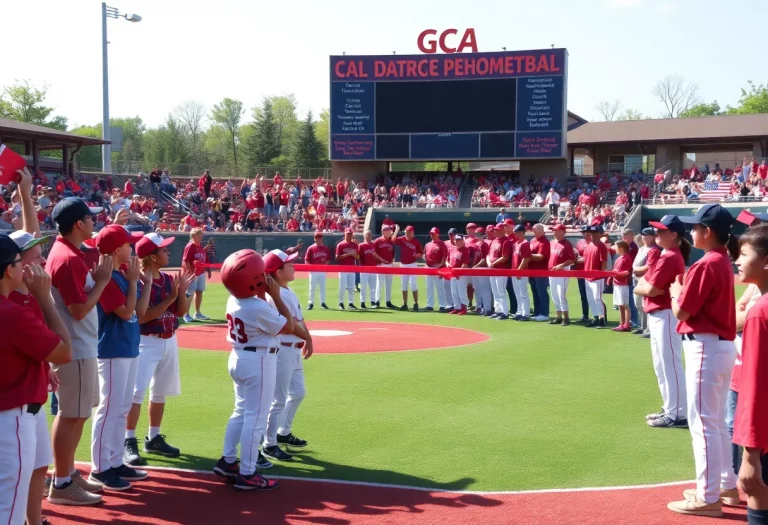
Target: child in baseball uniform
158, 367
254, 325
118, 309
289, 385
622, 267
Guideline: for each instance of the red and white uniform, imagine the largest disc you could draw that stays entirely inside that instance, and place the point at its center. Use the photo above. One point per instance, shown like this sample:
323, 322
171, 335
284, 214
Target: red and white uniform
458, 258
482, 284
435, 252
666, 345
253, 327
317, 255
346, 279
521, 250
595, 255
621, 283
194, 253
385, 249
708, 335
410, 251
560, 252
500, 247
367, 280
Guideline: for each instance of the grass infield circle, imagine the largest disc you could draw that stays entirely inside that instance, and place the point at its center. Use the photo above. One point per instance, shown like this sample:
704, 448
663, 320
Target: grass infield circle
350, 337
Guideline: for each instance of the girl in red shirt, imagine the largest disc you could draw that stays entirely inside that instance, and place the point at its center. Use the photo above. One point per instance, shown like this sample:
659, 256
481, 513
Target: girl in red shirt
751, 422
622, 267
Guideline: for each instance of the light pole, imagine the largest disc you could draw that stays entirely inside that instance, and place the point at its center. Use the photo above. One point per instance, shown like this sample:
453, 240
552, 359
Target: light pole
106, 149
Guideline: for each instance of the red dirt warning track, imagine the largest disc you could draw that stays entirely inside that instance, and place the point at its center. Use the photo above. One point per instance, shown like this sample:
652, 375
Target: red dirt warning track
187, 498
351, 337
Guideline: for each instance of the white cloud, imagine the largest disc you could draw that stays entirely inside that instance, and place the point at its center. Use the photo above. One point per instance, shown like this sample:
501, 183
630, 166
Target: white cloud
622, 4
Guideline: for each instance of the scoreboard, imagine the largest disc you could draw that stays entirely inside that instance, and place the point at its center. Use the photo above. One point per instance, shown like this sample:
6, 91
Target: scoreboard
466, 106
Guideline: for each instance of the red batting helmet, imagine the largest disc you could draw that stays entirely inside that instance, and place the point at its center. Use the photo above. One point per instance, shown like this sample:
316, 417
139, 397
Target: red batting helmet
243, 274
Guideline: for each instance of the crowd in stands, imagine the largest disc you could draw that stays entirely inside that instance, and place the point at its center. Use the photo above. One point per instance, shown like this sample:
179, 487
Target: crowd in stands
416, 190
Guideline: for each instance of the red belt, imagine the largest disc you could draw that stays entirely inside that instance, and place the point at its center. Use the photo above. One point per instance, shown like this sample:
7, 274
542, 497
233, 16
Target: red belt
292, 345
165, 335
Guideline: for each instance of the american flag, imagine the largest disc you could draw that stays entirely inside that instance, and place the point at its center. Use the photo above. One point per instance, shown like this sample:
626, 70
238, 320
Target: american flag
715, 191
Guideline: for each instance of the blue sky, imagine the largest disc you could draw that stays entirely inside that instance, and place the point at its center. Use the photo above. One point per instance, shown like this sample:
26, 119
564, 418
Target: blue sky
205, 51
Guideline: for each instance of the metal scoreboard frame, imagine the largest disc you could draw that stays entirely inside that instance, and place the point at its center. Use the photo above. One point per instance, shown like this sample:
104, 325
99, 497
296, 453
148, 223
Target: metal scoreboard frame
352, 131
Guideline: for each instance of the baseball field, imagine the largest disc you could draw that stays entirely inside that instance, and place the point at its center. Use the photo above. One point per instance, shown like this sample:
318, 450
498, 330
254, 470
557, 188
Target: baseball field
440, 402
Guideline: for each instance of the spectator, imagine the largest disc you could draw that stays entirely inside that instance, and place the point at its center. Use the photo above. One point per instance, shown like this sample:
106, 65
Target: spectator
194, 252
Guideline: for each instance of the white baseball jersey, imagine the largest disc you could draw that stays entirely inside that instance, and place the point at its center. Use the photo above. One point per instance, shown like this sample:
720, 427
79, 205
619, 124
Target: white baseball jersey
253, 322
292, 302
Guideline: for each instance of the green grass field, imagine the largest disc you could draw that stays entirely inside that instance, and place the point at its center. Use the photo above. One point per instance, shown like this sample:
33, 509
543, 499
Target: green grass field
534, 407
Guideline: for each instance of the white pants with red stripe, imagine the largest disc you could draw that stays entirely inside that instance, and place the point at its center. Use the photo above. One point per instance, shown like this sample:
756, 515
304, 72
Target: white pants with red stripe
18, 439
346, 282
559, 287
708, 365
117, 380
289, 393
459, 292
667, 354
595, 297
254, 375
520, 285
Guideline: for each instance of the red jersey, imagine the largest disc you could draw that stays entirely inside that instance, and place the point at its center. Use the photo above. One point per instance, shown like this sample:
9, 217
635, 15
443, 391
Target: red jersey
23, 376
580, 247
167, 322
344, 248
458, 257
560, 252
483, 248
366, 251
540, 246
709, 297
409, 249
318, 254
622, 264
434, 253
762, 170
500, 247
473, 245
192, 253
595, 254
521, 249
385, 248
751, 422
661, 273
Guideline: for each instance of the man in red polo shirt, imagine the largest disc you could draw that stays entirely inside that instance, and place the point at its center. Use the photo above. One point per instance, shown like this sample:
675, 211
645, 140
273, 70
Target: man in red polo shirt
435, 255
596, 259
27, 345
346, 255
367, 252
194, 252
410, 252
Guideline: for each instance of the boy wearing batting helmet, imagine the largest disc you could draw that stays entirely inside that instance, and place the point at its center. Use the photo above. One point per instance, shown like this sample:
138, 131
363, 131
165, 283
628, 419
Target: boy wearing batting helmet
254, 325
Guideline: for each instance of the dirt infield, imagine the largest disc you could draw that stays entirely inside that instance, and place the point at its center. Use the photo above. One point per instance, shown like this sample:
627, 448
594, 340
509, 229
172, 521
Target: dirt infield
350, 337
175, 497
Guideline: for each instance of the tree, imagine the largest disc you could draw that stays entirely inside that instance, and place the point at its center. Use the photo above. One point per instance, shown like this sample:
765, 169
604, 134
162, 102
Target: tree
677, 95
166, 145
322, 129
26, 103
608, 110
228, 114
286, 122
191, 116
263, 143
630, 114
89, 156
752, 101
308, 150
702, 110
132, 155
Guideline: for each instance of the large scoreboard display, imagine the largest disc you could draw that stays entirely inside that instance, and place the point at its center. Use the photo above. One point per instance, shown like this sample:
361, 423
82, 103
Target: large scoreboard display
481, 106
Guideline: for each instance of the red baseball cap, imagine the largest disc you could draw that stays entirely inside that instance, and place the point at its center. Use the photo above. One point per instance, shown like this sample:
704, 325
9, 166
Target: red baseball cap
435, 230
150, 243
410, 228
509, 222
318, 233
348, 230
559, 228
499, 227
386, 227
471, 226
275, 259
112, 237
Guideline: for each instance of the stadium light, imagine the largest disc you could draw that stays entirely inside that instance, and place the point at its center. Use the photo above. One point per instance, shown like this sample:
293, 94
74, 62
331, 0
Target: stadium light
106, 149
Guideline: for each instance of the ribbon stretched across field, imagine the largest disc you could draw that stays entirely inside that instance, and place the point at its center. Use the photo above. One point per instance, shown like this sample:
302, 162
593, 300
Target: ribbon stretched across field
445, 273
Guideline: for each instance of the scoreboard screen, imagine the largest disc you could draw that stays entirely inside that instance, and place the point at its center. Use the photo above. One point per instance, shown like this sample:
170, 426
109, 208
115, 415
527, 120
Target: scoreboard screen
478, 106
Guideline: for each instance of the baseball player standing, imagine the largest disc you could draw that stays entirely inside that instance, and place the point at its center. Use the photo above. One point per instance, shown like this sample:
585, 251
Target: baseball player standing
254, 325
561, 257
540, 250
385, 253
482, 284
705, 307
410, 251
158, 368
318, 253
509, 231
435, 255
596, 259
367, 252
581, 245
485, 282
194, 252
521, 257
646, 257
346, 255
459, 258
499, 256
470, 241
289, 382
27, 345
452, 233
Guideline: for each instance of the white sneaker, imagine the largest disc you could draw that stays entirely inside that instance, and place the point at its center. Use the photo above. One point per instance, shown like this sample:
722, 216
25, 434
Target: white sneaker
188, 319
540, 318
201, 317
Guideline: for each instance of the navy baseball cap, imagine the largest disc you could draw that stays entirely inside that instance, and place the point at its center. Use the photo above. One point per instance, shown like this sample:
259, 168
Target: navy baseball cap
669, 222
648, 231
9, 250
586, 228
72, 209
713, 216
596, 228
519, 228
453, 231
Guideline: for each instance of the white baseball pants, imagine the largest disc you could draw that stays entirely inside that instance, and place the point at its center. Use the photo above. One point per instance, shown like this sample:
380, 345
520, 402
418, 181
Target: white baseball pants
708, 366
347, 282
483, 293
158, 369
19, 438
406, 280
368, 282
384, 283
595, 297
254, 375
500, 297
521, 294
449, 295
317, 280
559, 287
434, 283
289, 393
667, 354
117, 381
459, 292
